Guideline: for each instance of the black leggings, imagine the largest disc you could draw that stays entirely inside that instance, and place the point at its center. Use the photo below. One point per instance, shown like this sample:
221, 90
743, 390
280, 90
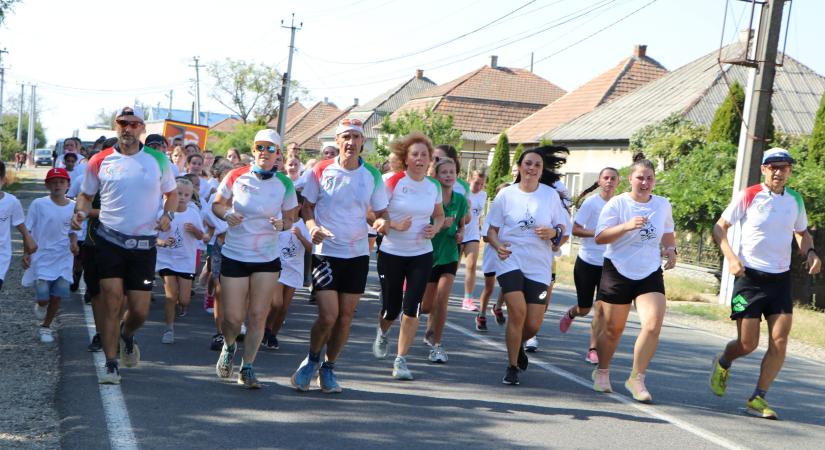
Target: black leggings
586, 277
392, 271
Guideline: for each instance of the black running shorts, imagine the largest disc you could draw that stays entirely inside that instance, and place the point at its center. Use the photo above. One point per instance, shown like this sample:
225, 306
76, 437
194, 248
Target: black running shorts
344, 275
535, 293
232, 268
586, 276
135, 267
617, 289
758, 294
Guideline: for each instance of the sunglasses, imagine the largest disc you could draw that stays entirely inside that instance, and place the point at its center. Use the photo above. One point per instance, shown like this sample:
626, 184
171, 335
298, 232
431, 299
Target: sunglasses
778, 167
128, 124
269, 148
355, 122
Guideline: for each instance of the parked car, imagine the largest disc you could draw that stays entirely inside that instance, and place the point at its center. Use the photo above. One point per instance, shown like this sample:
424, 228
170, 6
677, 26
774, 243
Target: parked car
43, 157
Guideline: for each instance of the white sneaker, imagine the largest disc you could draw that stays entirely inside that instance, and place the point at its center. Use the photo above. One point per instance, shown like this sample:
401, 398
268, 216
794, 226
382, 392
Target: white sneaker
400, 370
381, 346
438, 355
168, 337
40, 311
46, 335
243, 329
531, 345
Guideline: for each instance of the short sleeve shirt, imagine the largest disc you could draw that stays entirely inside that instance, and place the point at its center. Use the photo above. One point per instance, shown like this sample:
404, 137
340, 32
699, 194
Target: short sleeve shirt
416, 200
292, 255
768, 223
257, 200
11, 215
342, 198
636, 254
445, 246
50, 226
472, 230
130, 186
180, 256
588, 217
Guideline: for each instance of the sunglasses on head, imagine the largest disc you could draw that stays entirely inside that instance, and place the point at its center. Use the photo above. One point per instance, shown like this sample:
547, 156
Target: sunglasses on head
269, 148
356, 122
128, 124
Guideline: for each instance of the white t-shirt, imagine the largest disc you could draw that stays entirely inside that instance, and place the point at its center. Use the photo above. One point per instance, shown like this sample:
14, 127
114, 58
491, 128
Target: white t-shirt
292, 255
211, 220
255, 240
476, 201
516, 214
50, 226
342, 198
180, 256
130, 186
768, 223
414, 199
60, 164
636, 254
588, 217
561, 188
489, 261
77, 176
11, 215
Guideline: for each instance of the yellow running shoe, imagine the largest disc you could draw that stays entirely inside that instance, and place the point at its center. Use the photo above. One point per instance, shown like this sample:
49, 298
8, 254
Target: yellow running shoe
718, 377
758, 407
635, 384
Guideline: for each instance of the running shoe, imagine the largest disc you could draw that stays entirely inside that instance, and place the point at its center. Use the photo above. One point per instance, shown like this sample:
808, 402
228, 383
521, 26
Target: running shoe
182, 311
272, 342
129, 352
636, 386
209, 303
110, 375
381, 345
242, 334
95, 345
247, 378
304, 375
46, 335
428, 337
718, 377
522, 361
168, 337
592, 356
481, 323
758, 407
224, 365
327, 379
40, 311
217, 343
400, 370
565, 322
511, 376
532, 344
469, 305
438, 355
499, 313
265, 338
601, 380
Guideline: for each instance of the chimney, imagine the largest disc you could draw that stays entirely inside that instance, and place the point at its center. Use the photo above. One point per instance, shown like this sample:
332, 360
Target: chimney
296, 99
326, 99
419, 74
355, 102
639, 51
494, 62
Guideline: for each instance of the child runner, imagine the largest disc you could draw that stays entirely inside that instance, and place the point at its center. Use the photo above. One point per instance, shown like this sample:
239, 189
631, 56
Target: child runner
488, 267
11, 215
477, 198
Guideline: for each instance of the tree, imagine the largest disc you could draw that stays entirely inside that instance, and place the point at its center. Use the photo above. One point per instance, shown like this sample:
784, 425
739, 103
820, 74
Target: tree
9, 135
517, 154
500, 168
668, 140
816, 143
240, 138
727, 121
438, 127
5, 9
246, 88
106, 118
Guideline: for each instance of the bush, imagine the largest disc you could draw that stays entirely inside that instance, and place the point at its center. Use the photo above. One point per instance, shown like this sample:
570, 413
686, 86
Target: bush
500, 168
727, 121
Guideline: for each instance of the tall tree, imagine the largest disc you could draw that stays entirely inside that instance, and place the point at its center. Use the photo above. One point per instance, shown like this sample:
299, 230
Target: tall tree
816, 143
517, 153
8, 135
727, 122
438, 127
500, 168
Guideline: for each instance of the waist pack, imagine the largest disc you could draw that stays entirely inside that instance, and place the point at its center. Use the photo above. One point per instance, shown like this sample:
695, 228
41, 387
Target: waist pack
124, 240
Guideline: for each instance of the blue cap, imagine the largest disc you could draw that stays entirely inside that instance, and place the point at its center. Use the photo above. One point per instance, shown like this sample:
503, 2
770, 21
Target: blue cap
777, 154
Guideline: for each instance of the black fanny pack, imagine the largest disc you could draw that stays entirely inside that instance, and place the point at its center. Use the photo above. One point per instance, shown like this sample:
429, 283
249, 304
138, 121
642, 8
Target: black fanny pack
124, 240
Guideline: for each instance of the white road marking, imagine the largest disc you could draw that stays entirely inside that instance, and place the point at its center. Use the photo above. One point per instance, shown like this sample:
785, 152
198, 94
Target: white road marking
121, 436
647, 409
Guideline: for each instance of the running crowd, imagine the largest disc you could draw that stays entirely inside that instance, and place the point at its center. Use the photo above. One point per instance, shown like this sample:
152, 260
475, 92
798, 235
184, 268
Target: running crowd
254, 229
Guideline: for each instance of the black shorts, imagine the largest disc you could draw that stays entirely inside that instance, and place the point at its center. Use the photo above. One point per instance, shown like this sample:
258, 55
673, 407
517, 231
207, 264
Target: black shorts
760, 294
135, 267
489, 274
87, 259
343, 275
232, 268
393, 271
535, 293
586, 276
172, 273
616, 289
443, 269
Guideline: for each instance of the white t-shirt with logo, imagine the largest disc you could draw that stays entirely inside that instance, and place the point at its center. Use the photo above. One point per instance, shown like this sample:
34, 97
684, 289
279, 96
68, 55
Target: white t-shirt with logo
636, 254
11, 215
768, 223
255, 240
342, 198
472, 231
588, 217
516, 214
292, 255
414, 199
130, 186
489, 261
180, 256
50, 226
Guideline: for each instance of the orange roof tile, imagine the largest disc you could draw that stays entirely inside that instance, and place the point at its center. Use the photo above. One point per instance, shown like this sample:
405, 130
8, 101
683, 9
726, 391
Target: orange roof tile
310, 138
318, 113
293, 111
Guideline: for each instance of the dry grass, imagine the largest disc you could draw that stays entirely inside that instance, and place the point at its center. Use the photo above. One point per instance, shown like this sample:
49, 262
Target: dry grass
685, 289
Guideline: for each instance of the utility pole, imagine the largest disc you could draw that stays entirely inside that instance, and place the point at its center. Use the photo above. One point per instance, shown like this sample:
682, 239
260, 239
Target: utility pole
2, 84
197, 120
169, 112
30, 138
287, 77
532, 54
756, 115
20, 114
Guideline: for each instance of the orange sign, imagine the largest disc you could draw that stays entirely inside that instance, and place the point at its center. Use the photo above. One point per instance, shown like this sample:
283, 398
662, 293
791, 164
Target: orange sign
191, 133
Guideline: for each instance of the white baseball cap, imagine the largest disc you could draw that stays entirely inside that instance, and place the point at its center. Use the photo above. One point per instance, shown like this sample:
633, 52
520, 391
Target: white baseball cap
268, 135
777, 154
350, 124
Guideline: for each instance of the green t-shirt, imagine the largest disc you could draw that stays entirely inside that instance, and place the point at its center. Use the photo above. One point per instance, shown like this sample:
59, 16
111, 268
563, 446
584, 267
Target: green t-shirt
445, 246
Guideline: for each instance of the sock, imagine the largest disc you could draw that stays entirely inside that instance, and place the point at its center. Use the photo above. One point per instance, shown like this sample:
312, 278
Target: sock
245, 365
111, 363
228, 348
760, 393
570, 314
724, 362
329, 364
315, 357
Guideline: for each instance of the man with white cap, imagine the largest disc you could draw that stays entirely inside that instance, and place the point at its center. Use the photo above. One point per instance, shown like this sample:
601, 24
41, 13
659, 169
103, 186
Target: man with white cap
130, 178
337, 197
770, 214
257, 202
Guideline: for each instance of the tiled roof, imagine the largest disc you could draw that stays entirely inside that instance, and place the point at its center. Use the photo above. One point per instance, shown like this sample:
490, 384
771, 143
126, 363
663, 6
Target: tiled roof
696, 90
320, 112
227, 125
293, 111
370, 119
625, 77
310, 138
392, 99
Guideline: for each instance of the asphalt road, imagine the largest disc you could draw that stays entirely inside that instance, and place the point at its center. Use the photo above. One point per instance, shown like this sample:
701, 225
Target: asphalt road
175, 401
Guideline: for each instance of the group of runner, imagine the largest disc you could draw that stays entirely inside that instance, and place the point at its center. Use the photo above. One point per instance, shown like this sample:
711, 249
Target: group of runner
137, 219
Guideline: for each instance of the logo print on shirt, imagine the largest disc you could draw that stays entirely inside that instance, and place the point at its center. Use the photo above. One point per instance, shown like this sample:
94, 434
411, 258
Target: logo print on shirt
648, 231
328, 182
290, 251
178, 239
3, 219
527, 222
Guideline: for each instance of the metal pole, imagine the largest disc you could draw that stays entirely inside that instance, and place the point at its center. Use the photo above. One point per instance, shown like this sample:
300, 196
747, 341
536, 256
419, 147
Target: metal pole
20, 114
287, 77
30, 137
757, 110
197, 120
169, 112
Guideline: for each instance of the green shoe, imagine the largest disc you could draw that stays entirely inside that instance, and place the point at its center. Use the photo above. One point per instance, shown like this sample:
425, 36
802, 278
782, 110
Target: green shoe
758, 407
718, 377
